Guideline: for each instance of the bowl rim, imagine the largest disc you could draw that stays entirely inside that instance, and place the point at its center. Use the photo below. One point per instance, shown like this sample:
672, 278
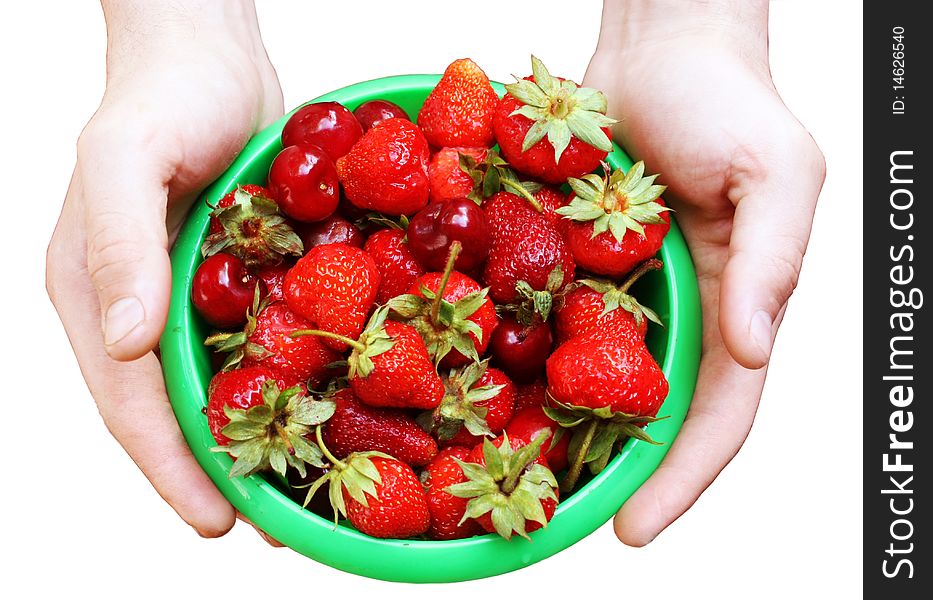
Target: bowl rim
416, 561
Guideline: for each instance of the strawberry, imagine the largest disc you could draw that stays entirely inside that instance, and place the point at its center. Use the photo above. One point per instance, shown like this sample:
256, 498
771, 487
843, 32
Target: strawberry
601, 306
446, 510
380, 495
526, 247
528, 423
266, 341
333, 286
530, 395
479, 402
247, 224
273, 276
389, 365
550, 128
447, 180
262, 427
509, 486
355, 427
616, 221
451, 313
398, 266
459, 110
387, 169
605, 386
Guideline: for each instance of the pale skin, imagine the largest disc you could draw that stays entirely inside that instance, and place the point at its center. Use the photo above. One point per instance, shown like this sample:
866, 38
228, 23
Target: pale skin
742, 173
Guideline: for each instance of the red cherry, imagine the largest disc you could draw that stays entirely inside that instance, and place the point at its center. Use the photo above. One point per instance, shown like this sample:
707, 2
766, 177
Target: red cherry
332, 230
303, 181
371, 113
328, 125
432, 231
222, 290
521, 350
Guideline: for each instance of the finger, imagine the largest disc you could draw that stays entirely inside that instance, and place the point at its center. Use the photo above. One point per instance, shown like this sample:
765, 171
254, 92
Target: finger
124, 197
265, 536
131, 396
716, 426
769, 237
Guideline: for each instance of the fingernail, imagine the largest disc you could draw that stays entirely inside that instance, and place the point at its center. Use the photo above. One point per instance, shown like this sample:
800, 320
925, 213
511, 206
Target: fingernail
123, 316
760, 330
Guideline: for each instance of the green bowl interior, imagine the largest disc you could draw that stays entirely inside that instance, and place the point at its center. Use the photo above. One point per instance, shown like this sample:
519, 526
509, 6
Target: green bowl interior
672, 292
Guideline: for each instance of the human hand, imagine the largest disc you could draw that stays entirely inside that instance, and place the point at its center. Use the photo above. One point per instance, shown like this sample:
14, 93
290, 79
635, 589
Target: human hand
691, 84
188, 83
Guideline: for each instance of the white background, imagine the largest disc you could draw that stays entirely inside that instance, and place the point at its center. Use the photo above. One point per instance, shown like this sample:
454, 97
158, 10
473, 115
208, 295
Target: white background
783, 519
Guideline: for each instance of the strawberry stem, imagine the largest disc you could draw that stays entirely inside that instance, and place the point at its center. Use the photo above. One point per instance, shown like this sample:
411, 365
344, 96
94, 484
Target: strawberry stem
455, 249
356, 345
648, 265
574, 473
339, 464
519, 189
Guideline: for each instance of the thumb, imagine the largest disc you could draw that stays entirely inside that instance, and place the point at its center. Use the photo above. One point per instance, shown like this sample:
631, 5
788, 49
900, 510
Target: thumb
124, 202
770, 231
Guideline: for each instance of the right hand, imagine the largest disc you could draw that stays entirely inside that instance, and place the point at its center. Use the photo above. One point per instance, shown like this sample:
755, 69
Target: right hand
186, 89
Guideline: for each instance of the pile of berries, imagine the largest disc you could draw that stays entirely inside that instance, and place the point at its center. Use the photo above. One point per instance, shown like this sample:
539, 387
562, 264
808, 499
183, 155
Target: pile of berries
437, 331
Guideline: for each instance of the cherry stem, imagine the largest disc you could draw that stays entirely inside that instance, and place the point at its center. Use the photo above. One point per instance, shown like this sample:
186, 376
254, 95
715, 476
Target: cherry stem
648, 265
574, 473
455, 248
356, 345
333, 459
521, 191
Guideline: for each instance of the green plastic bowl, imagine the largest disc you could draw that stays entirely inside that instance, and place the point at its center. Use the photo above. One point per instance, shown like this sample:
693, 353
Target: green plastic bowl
672, 292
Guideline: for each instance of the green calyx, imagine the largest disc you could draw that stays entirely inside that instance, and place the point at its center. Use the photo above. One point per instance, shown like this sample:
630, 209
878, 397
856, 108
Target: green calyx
357, 474
507, 487
492, 174
596, 431
616, 202
560, 110
459, 407
618, 297
534, 303
253, 230
400, 224
372, 342
443, 325
274, 434
237, 344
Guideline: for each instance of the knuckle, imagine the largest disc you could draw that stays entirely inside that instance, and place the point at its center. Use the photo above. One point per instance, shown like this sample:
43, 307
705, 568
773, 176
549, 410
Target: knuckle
110, 253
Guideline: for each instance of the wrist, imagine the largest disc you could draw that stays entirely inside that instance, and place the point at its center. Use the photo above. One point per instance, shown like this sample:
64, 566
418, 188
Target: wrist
630, 24
138, 30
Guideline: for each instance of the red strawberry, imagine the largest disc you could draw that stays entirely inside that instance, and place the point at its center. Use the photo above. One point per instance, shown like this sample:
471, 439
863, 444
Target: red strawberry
446, 510
615, 222
606, 387
389, 365
479, 402
389, 250
448, 181
525, 247
355, 427
266, 341
381, 496
238, 389
387, 170
262, 427
273, 276
550, 199
601, 306
333, 286
247, 223
451, 313
459, 110
551, 129
509, 486
527, 424
530, 395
